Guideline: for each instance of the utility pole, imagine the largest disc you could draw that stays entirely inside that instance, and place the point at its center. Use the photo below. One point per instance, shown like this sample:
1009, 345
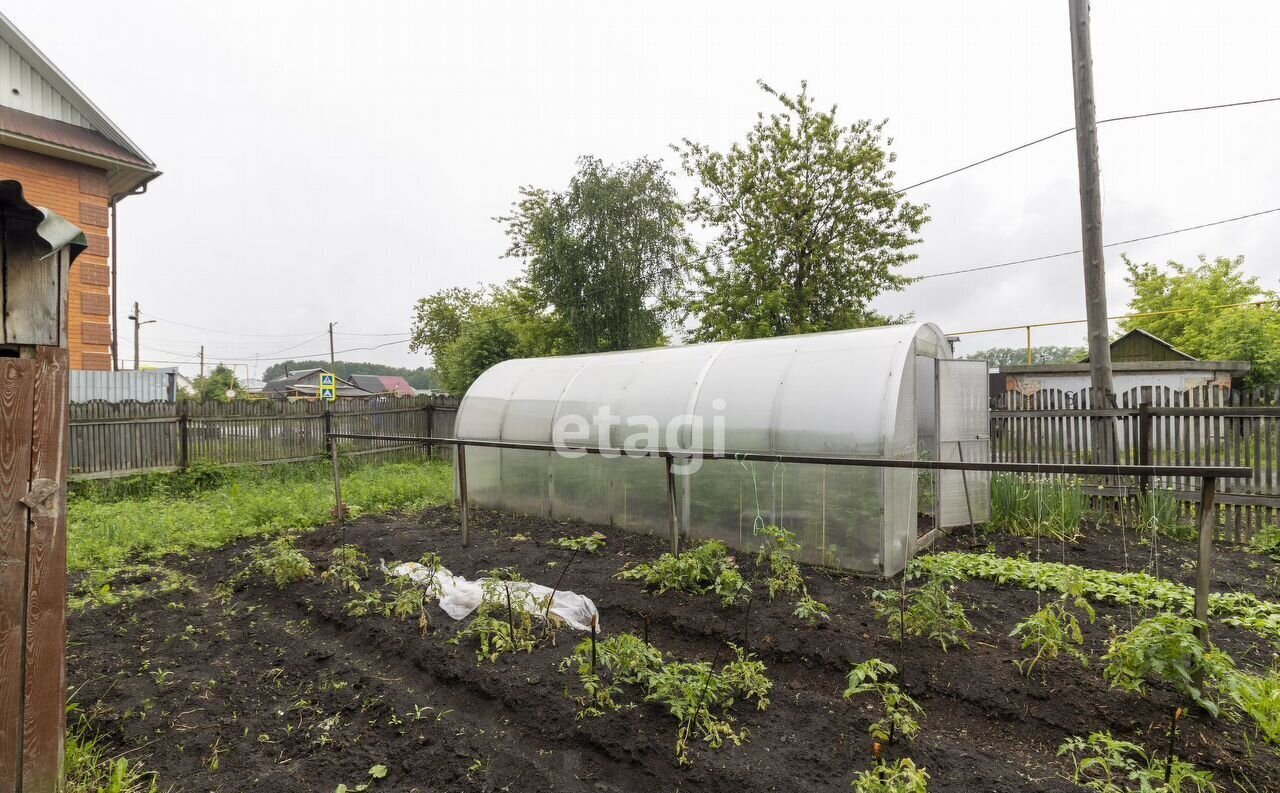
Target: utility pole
138, 322
331, 359
1095, 280
202, 360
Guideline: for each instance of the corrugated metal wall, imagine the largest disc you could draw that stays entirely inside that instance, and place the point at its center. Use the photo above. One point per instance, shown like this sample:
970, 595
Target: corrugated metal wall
122, 386
35, 94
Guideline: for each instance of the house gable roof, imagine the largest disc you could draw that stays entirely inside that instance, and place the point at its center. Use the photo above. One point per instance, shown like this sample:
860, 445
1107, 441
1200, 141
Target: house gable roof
41, 110
1143, 342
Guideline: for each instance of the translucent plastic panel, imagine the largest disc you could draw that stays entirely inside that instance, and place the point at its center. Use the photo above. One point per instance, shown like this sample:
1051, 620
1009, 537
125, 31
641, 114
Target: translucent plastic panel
661, 396
598, 383
524, 481
533, 401
901, 516
482, 410
483, 469
963, 431
743, 380
834, 399
582, 489
639, 494
722, 503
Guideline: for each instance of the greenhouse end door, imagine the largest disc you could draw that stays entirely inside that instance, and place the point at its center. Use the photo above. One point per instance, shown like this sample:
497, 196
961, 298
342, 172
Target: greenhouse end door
964, 425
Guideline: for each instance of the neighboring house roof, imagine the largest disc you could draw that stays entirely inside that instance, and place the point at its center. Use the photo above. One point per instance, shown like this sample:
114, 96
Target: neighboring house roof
383, 384
306, 382
43, 111
1139, 345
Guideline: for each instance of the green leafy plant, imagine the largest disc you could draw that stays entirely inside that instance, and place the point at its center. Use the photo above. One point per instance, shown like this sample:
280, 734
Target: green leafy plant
810, 610
1157, 510
1240, 609
927, 611
1055, 629
902, 714
1108, 765
348, 567
280, 560
1257, 696
587, 543
1164, 647
706, 567
506, 619
626, 659
88, 768
690, 690
901, 776
693, 692
376, 772
1050, 508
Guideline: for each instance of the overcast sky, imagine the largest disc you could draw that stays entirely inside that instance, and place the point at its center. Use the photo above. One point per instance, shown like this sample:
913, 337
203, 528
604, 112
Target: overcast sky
337, 161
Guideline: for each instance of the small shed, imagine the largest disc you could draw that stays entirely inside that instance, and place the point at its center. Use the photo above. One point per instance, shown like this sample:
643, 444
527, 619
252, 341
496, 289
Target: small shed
891, 393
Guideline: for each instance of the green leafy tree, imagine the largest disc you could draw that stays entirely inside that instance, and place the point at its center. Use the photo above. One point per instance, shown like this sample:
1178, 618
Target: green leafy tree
468, 330
214, 386
809, 229
1017, 356
607, 253
1228, 334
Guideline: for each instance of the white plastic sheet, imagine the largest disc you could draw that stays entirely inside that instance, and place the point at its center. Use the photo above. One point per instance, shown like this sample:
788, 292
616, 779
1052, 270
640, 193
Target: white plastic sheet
459, 597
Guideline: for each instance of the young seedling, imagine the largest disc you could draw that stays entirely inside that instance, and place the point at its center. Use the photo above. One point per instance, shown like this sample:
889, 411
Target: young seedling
902, 776
706, 567
279, 560
503, 623
1165, 647
586, 543
348, 567
376, 772
776, 563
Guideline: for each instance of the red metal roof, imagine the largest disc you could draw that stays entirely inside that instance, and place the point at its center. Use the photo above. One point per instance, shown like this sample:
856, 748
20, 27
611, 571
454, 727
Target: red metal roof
71, 136
395, 384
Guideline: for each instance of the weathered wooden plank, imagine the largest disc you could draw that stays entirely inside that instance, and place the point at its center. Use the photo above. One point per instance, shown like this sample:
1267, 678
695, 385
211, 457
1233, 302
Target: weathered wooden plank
44, 717
16, 378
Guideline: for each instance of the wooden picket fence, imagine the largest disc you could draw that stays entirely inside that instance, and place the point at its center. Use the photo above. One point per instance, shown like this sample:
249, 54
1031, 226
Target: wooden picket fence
1201, 426
110, 439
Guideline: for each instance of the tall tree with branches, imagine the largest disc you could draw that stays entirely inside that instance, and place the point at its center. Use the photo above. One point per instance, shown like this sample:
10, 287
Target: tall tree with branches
809, 229
607, 254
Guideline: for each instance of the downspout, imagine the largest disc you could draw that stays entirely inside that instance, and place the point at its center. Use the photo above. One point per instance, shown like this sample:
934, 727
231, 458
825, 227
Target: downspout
114, 240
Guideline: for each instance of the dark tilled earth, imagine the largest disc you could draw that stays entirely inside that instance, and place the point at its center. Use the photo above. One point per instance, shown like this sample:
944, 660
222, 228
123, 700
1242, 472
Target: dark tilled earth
279, 690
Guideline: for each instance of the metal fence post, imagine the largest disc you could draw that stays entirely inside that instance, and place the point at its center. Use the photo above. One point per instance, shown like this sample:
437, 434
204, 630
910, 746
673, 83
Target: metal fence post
464, 509
672, 523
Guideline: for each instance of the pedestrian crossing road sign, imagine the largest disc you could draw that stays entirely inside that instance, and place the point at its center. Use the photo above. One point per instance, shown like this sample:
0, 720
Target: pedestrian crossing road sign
328, 392
326, 379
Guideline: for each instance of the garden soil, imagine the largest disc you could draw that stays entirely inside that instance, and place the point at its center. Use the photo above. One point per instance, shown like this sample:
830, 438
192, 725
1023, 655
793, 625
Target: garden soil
280, 690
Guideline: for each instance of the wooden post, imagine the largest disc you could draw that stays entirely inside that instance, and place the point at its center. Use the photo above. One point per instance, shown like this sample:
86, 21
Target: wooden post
38, 248
464, 508
1205, 562
430, 416
672, 524
1144, 444
184, 454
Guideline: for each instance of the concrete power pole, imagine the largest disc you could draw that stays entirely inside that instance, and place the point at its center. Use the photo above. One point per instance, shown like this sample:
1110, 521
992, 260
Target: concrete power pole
331, 358
1095, 273
202, 360
138, 322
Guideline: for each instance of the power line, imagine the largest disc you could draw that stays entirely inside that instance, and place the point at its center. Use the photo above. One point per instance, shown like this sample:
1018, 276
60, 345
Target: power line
1067, 130
298, 357
1048, 256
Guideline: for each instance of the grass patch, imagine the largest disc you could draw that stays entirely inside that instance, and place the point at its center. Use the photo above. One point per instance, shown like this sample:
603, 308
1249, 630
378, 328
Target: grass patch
145, 518
89, 768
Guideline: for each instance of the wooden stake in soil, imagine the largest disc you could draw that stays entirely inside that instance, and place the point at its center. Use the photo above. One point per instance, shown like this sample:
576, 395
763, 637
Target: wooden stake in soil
511, 620
460, 454
1204, 563
594, 619
1173, 736
546, 615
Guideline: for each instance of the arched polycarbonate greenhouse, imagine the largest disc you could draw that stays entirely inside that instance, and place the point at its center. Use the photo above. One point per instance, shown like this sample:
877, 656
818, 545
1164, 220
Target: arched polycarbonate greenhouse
892, 392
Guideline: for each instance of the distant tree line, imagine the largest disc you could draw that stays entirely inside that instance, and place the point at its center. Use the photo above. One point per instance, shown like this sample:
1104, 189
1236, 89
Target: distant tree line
421, 377
1017, 356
